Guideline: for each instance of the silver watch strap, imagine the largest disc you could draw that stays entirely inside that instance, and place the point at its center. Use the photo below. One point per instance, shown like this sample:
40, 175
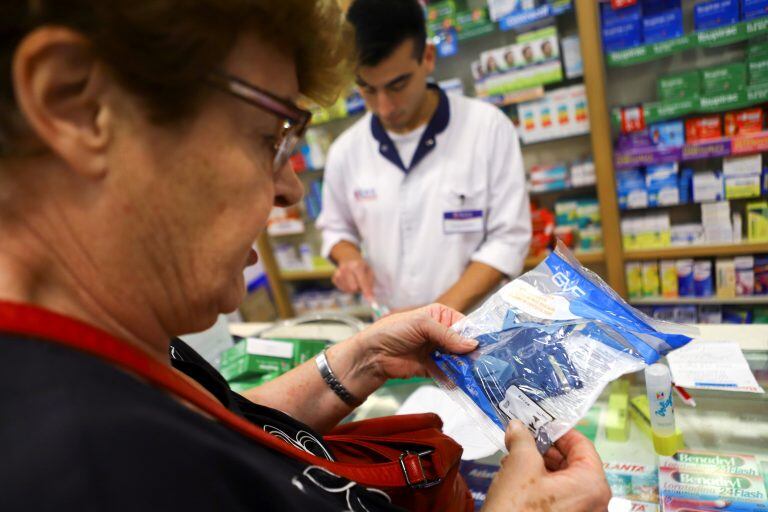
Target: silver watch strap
328, 376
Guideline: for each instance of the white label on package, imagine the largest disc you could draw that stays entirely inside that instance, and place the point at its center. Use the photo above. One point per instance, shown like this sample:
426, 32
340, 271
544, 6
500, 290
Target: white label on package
531, 300
712, 365
517, 405
465, 221
259, 347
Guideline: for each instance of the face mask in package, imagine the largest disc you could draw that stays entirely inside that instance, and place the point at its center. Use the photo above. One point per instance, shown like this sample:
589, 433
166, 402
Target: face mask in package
548, 343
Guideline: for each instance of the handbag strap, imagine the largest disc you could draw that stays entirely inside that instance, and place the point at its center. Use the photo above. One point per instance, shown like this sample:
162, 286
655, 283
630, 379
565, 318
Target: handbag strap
43, 325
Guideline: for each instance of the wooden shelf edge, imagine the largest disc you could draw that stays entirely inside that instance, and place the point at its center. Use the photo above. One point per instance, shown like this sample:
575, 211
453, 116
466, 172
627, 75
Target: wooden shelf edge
305, 275
697, 251
585, 257
680, 301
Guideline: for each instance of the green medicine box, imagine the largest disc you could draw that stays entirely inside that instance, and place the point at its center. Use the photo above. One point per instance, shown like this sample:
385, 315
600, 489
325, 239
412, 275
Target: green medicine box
757, 49
758, 69
679, 86
722, 79
253, 357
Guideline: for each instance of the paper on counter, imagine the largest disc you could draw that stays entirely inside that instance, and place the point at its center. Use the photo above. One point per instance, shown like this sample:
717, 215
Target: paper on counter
712, 365
456, 422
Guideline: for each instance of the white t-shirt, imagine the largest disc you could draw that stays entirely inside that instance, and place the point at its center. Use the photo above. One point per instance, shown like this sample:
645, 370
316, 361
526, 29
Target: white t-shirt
407, 143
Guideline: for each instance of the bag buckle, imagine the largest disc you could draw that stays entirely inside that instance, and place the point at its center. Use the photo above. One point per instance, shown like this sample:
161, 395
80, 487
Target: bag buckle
423, 482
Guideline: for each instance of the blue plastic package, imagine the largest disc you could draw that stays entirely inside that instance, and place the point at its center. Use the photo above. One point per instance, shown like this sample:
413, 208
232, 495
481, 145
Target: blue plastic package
548, 343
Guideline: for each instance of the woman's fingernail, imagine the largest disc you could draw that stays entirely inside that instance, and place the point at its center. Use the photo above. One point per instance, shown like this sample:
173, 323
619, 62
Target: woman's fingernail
470, 342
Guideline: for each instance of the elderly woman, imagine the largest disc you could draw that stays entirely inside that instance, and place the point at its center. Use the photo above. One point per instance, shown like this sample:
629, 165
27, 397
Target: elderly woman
143, 145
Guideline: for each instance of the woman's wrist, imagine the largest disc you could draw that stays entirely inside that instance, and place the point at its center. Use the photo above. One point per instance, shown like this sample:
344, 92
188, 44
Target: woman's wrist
353, 362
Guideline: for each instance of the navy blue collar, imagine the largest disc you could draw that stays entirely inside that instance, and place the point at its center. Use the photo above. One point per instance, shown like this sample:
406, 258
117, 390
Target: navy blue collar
428, 141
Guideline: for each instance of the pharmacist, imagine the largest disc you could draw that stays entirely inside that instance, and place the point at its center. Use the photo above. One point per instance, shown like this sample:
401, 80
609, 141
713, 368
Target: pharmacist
424, 198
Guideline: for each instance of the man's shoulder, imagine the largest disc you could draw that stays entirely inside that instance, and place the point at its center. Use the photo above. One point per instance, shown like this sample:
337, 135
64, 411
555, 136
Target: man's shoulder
352, 137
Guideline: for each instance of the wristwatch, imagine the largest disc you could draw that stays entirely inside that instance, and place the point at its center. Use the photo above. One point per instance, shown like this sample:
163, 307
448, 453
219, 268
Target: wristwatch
321, 361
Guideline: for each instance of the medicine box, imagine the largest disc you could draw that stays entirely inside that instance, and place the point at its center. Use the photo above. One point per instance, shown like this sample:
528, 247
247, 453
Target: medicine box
679, 86
703, 128
621, 28
751, 9
708, 186
743, 121
761, 275
651, 281
757, 222
721, 79
668, 134
662, 184
668, 270
715, 13
634, 279
703, 282
254, 356
726, 278
757, 67
631, 189
662, 25
745, 275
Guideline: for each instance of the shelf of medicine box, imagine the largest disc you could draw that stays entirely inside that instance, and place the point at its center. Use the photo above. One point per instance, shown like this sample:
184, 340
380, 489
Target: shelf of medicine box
569, 190
686, 206
574, 135
307, 275
657, 111
743, 145
584, 257
714, 300
697, 251
710, 38
513, 98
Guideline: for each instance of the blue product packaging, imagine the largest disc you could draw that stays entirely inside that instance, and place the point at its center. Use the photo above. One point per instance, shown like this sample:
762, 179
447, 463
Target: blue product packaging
662, 26
631, 189
751, 9
685, 185
610, 17
662, 184
548, 344
478, 478
734, 315
668, 134
703, 279
622, 36
715, 13
685, 285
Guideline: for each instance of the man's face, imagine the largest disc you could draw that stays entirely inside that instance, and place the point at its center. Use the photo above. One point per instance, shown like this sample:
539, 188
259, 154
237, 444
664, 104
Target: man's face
394, 89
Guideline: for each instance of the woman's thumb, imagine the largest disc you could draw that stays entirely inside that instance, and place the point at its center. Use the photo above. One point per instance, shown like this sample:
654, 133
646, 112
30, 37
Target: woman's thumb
520, 444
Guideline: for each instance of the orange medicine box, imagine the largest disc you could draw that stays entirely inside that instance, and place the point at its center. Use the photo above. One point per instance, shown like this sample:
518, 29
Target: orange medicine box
744, 121
703, 128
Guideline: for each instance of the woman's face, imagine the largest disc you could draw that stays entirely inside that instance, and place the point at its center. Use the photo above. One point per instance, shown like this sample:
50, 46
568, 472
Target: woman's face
198, 194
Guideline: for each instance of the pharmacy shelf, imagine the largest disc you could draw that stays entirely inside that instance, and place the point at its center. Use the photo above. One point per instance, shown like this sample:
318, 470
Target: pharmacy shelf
306, 275
720, 36
680, 301
742, 145
570, 190
696, 251
656, 111
553, 139
584, 257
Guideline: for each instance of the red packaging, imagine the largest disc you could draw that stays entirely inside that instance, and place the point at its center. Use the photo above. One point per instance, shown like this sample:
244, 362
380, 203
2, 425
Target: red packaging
703, 128
744, 121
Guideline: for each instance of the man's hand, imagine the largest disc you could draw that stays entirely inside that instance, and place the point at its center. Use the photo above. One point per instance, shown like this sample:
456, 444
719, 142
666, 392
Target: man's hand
353, 276
569, 478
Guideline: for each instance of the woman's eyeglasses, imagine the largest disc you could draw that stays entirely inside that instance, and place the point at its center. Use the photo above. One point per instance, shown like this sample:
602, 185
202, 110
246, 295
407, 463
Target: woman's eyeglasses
294, 119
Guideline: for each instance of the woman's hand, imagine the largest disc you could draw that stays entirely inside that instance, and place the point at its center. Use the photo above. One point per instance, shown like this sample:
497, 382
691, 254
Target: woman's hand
568, 478
396, 347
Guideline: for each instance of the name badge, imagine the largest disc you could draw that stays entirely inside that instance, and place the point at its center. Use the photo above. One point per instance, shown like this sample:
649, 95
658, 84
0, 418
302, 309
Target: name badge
463, 221
365, 194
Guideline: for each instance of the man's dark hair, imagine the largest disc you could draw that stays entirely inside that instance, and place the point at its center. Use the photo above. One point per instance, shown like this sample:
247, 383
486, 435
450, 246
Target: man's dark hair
383, 25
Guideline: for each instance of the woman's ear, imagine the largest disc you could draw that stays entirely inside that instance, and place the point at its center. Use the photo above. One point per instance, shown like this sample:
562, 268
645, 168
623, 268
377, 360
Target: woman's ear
61, 89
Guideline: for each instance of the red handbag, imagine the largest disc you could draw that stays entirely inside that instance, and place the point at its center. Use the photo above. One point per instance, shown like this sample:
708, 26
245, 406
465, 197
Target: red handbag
408, 457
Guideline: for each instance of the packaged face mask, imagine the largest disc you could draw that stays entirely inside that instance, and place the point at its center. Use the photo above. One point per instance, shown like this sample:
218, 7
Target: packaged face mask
548, 343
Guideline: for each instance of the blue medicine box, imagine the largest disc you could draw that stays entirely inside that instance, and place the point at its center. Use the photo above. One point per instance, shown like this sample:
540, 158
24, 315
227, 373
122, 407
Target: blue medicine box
619, 37
715, 13
667, 134
751, 9
662, 20
611, 17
